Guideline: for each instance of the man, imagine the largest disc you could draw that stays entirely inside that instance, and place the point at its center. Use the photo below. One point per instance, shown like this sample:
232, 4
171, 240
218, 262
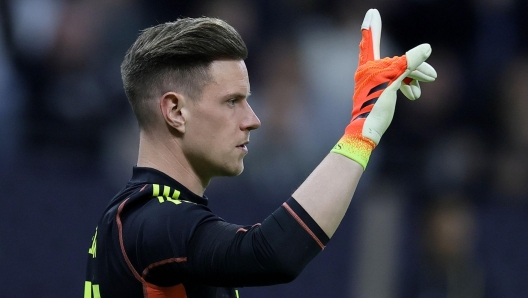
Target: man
188, 86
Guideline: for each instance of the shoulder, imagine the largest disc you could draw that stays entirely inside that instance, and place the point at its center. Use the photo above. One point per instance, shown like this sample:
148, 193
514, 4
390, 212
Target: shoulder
162, 223
161, 208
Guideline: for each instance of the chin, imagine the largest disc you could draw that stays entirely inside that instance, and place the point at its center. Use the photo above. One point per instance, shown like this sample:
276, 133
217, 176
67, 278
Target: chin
232, 172
240, 172
237, 172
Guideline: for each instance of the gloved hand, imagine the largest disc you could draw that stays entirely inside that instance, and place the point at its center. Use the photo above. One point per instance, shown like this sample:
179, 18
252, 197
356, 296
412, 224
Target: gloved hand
376, 84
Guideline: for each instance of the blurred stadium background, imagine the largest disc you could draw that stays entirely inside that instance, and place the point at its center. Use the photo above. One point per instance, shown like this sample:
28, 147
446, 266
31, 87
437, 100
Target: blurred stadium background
441, 211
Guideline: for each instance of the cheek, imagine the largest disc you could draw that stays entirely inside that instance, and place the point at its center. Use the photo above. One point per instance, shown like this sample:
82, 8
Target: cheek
218, 123
210, 133
213, 126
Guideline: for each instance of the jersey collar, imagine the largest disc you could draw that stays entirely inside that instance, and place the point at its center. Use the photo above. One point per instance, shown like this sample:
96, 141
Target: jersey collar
142, 175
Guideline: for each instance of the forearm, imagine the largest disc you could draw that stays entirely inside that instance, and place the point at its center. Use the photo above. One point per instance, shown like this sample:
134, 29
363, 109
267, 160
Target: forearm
327, 192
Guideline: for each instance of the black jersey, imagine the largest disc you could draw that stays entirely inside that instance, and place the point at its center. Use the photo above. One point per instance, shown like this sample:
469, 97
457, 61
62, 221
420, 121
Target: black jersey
158, 239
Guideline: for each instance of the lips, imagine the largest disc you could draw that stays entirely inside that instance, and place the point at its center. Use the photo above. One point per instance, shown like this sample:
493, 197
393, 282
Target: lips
243, 146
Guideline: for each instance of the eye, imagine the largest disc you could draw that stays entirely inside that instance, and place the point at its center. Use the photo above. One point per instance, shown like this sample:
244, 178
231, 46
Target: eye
232, 101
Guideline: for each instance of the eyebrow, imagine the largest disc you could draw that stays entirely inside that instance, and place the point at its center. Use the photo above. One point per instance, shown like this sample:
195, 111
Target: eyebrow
238, 95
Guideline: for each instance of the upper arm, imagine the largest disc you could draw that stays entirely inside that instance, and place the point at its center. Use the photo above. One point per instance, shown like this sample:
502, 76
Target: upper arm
188, 242
273, 252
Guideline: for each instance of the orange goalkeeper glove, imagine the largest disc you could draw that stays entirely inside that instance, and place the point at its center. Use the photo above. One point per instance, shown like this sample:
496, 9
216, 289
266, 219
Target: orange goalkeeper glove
376, 84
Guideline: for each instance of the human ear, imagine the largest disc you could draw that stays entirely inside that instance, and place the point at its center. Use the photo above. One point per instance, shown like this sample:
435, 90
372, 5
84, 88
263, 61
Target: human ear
171, 105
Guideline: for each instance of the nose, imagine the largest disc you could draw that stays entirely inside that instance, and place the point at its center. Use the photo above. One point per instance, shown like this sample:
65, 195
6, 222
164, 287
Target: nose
251, 121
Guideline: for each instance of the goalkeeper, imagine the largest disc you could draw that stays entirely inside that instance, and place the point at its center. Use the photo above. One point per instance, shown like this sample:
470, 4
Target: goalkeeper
188, 86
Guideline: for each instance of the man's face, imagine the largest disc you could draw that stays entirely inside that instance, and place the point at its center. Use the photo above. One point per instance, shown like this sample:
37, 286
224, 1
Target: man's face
218, 124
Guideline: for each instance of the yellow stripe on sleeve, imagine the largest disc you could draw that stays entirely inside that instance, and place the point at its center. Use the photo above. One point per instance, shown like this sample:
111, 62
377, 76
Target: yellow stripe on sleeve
87, 289
155, 190
96, 292
176, 194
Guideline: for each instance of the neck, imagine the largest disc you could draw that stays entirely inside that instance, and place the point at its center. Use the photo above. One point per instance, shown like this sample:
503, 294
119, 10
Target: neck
165, 155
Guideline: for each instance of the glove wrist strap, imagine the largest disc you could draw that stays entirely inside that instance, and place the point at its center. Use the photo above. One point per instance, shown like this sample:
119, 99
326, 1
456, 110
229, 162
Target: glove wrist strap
356, 147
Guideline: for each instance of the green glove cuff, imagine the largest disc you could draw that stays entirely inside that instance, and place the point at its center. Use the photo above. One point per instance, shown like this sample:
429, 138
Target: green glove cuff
355, 147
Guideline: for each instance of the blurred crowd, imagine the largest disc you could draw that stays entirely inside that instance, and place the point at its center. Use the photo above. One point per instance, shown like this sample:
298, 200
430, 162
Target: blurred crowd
441, 210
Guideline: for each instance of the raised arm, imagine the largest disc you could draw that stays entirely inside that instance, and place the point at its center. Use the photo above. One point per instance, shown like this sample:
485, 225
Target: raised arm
327, 192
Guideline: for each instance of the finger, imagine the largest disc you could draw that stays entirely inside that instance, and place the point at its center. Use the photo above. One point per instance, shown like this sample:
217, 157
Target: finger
417, 56
369, 47
411, 89
423, 73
